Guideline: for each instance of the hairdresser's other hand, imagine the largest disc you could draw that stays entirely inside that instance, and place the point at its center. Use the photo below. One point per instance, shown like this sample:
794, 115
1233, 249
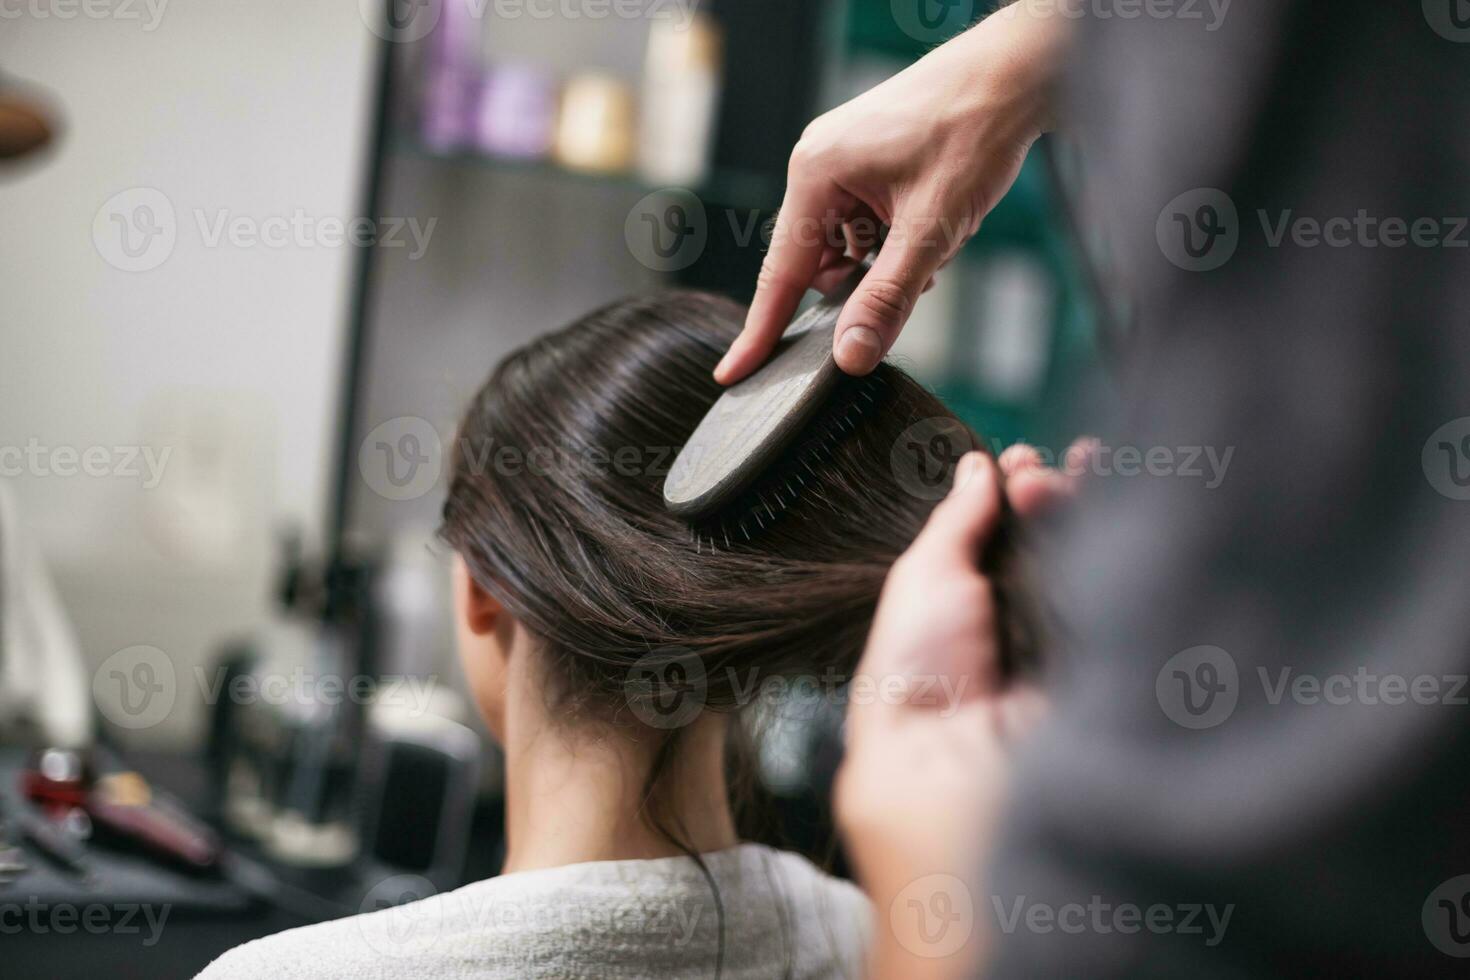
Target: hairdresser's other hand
1035, 489
927, 153
921, 786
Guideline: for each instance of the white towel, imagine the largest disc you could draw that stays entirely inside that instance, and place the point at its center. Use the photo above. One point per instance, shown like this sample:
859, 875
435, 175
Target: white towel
604, 919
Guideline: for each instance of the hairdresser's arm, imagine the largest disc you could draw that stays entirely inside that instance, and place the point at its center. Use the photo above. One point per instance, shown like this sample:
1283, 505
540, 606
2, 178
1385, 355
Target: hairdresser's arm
924, 777
928, 153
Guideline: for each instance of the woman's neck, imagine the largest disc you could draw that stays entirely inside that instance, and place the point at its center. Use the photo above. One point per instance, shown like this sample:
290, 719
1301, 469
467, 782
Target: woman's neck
572, 796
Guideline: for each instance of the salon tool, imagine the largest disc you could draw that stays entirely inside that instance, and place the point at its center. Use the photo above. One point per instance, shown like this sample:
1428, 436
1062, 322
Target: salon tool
120, 809
156, 827
12, 863
746, 460
52, 843
12, 858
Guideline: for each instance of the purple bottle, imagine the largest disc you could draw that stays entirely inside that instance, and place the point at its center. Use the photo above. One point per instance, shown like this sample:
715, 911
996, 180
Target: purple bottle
451, 78
516, 112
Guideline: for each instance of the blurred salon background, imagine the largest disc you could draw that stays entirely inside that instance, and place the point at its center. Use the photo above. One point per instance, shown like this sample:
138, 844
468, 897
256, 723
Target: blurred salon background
258, 256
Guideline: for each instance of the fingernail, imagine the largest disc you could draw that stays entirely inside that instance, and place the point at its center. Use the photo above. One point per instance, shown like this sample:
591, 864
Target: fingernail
859, 350
724, 363
969, 464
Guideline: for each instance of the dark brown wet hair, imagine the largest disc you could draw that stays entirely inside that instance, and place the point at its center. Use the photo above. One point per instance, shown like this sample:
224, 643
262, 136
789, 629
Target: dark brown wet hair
555, 504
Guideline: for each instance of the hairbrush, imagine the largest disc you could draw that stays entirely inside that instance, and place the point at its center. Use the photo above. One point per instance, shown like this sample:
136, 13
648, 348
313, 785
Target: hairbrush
729, 476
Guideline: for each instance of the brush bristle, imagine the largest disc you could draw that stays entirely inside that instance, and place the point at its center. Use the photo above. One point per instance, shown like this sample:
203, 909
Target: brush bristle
766, 502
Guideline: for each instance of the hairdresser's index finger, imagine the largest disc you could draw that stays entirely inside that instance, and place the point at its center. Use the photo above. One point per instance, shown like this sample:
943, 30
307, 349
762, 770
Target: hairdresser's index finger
1034, 488
797, 244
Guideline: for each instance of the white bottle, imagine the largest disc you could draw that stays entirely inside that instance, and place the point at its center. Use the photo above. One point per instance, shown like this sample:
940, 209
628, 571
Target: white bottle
681, 89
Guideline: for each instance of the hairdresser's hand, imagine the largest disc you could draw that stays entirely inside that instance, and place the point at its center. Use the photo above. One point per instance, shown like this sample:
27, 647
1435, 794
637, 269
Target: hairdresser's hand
923, 781
1033, 488
927, 153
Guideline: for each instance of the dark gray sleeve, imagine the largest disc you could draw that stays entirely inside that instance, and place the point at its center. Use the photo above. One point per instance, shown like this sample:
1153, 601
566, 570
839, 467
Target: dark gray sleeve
1261, 711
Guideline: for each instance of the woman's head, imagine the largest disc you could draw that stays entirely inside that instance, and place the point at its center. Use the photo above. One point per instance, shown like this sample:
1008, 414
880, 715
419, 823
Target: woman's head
555, 506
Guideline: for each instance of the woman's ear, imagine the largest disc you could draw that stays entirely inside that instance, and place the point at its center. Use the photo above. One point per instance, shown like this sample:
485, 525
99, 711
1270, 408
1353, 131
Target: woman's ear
483, 634
478, 610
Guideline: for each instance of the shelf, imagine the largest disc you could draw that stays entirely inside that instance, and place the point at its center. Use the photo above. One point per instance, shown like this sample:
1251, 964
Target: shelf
730, 188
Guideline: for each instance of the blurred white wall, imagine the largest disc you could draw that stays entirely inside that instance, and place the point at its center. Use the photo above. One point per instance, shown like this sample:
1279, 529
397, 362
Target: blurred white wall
220, 359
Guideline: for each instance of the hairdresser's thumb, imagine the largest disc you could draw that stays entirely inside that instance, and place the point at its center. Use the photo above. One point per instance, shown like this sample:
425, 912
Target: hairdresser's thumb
881, 305
961, 523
